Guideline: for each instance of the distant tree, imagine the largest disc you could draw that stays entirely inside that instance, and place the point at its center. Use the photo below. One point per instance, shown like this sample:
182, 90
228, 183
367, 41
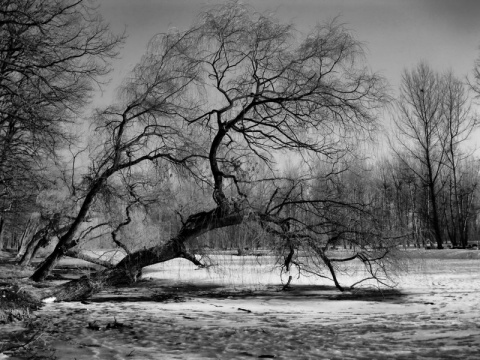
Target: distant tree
458, 124
433, 124
419, 134
236, 86
460, 201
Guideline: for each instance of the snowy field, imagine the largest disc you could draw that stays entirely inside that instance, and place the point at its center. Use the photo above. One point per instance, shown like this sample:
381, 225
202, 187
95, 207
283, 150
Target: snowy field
238, 312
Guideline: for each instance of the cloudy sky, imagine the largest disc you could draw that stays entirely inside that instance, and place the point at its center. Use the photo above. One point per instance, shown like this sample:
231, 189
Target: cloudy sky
397, 33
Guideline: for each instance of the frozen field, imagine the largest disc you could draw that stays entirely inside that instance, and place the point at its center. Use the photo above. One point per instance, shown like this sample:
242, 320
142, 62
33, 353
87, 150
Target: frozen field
238, 312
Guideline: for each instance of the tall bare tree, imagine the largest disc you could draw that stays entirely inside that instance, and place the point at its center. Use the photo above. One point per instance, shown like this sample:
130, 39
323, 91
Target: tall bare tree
458, 125
419, 134
237, 85
52, 54
433, 125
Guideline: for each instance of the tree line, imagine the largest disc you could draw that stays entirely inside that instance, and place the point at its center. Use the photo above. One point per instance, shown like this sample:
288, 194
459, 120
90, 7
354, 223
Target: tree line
196, 152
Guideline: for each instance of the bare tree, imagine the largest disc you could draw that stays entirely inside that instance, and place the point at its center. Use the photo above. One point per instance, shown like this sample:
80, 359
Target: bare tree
433, 125
458, 125
235, 86
338, 207
419, 134
52, 54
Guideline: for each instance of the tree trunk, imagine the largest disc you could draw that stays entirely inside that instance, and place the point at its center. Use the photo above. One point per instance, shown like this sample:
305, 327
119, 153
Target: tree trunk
126, 271
29, 253
27, 237
88, 285
67, 241
2, 231
435, 219
24, 236
33, 245
94, 260
12, 242
327, 262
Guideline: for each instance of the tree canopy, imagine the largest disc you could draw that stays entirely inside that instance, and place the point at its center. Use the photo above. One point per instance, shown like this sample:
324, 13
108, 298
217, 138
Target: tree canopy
52, 53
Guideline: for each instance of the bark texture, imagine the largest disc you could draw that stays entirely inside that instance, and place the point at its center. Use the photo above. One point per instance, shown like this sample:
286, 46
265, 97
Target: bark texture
127, 270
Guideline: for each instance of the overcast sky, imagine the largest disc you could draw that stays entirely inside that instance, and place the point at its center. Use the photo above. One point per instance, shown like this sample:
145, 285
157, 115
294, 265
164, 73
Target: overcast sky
397, 33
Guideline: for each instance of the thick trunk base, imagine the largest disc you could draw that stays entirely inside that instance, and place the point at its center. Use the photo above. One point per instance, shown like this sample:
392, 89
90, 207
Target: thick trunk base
89, 285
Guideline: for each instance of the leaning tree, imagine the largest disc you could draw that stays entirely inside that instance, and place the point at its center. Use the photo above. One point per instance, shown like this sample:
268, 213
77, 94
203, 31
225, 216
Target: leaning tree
236, 88
52, 55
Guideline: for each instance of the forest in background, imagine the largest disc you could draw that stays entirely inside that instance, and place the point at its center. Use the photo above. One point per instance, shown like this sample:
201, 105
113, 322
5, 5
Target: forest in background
192, 157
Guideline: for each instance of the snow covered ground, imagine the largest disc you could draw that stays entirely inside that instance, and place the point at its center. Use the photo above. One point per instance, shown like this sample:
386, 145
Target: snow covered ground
239, 312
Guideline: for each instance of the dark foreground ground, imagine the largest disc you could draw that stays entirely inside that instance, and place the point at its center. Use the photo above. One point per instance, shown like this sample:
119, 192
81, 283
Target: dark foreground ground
179, 312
